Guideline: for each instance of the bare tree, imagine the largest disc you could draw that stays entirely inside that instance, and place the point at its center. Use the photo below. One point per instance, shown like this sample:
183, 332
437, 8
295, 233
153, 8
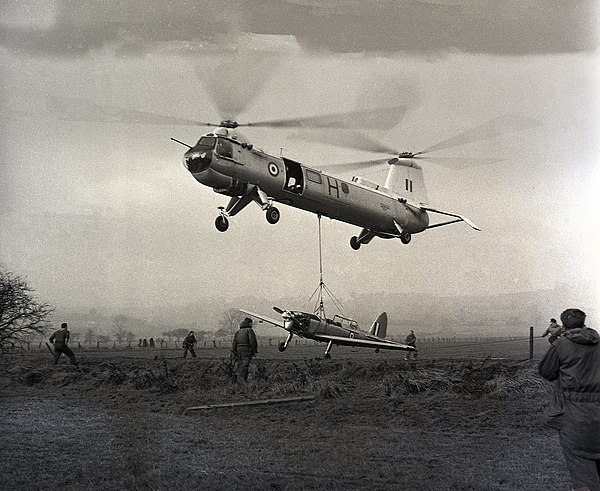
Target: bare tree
21, 314
229, 323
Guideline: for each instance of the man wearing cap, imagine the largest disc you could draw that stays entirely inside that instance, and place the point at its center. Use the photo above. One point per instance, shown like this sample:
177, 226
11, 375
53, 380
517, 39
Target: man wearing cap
60, 339
573, 361
243, 348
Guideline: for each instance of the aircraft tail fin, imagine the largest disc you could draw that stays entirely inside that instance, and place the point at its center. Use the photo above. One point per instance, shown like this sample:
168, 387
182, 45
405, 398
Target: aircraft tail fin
379, 327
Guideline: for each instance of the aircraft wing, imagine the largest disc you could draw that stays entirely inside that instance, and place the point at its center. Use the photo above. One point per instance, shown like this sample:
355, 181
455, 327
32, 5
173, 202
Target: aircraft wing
263, 318
367, 343
458, 218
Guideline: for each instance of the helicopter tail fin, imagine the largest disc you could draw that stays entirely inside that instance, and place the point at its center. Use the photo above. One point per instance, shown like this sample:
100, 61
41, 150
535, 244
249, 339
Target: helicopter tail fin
379, 327
405, 178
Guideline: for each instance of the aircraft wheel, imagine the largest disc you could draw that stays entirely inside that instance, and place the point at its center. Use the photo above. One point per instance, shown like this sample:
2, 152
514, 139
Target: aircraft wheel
376, 350
281, 346
405, 237
354, 243
328, 356
221, 223
273, 215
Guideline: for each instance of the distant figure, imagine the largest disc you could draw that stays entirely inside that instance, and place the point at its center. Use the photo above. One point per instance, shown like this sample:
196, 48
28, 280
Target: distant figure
140, 343
573, 361
243, 348
411, 340
554, 329
60, 339
152, 342
145, 343
188, 344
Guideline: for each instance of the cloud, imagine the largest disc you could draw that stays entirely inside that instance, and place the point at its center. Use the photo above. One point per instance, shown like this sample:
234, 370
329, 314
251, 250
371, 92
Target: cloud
515, 27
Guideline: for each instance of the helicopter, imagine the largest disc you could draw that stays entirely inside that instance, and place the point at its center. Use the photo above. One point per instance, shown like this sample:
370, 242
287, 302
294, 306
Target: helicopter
340, 330
226, 161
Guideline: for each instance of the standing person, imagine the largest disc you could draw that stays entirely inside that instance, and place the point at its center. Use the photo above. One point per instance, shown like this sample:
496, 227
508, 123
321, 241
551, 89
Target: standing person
151, 342
145, 343
573, 361
188, 344
554, 329
411, 340
60, 339
243, 348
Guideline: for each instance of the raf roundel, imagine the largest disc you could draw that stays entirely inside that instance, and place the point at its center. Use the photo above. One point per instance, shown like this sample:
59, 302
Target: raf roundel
273, 169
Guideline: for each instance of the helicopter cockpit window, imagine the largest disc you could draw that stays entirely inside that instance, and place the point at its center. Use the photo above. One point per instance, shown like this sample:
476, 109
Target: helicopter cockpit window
206, 141
224, 148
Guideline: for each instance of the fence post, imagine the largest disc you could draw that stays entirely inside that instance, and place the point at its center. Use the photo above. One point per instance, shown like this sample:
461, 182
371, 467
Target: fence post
531, 342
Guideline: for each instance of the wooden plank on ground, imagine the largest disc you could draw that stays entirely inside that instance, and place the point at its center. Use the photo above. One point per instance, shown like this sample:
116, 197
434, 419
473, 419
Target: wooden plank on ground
252, 403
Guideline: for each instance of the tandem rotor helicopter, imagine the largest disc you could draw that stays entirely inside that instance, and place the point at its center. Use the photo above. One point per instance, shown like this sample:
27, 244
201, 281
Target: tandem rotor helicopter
226, 161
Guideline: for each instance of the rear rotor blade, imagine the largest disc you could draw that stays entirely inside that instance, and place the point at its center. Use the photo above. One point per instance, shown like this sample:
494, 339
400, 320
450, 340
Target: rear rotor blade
85, 110
353, 166
504, 124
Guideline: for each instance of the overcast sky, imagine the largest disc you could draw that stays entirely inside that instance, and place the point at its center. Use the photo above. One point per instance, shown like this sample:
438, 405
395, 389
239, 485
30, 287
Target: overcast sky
103, 213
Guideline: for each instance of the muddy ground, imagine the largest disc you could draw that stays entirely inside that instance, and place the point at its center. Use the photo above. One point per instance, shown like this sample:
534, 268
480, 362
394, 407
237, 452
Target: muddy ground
376, 422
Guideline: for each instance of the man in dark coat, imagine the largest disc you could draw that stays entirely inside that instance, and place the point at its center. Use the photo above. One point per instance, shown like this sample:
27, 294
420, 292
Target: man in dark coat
188, 344
60, 339
243, 348
411, 340
573, 361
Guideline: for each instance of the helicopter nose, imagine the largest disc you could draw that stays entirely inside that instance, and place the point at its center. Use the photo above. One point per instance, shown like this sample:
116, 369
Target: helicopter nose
197, 160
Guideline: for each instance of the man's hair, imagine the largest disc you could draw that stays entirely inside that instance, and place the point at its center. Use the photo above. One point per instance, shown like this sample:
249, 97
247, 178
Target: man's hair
64, 325
553, 319
573, 318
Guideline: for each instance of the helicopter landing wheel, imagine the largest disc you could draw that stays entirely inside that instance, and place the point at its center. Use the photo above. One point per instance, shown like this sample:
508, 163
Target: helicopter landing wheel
221, 223
354, 243
281, 346
405, 237
273, 215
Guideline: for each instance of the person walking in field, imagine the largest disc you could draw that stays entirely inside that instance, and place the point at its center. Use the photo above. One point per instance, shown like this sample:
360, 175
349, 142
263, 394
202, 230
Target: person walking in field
554, 329
573, 361
60, 339
411, 340
243, 348
188, 344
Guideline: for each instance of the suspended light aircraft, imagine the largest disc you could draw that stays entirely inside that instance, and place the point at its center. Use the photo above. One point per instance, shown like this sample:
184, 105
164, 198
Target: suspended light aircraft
339, 330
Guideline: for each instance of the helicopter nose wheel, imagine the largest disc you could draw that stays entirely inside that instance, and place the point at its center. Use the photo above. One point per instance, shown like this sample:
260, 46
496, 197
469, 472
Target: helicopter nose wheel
273, 215
405, 237
354, 243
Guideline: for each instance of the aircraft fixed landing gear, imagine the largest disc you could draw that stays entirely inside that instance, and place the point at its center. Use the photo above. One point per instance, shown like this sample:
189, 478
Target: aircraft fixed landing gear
281, 347
354, 243
405, 237
273, 215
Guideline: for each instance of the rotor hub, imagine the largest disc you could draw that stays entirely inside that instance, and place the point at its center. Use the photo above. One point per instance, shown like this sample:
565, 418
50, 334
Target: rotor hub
228, 123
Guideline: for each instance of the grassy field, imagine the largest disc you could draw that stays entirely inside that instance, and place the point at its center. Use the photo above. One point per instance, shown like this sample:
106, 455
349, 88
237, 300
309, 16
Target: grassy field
377, 421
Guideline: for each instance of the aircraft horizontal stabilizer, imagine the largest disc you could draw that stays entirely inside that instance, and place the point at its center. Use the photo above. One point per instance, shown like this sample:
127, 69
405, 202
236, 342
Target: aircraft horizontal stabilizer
459, 218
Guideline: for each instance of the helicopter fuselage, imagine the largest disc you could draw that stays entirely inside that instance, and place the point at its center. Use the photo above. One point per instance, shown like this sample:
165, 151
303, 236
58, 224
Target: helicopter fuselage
236, 169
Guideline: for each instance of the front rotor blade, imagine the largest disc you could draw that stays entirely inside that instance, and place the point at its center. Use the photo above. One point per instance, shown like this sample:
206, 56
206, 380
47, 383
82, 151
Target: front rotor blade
495, 127
85, 110
346, 139
380, 118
